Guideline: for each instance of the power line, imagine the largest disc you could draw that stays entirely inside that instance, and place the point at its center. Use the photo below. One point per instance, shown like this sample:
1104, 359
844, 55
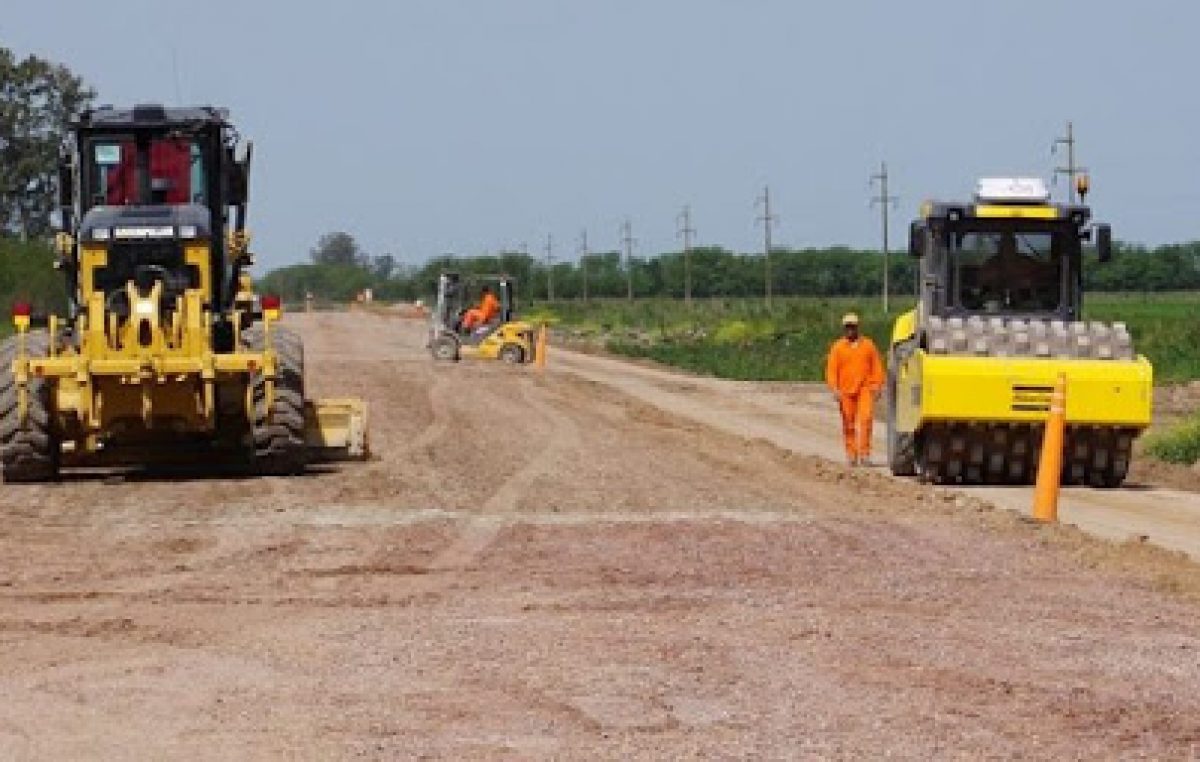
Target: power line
768, 221
686, 231
549, 250
583, 262
1072, 171
885, 202
628, 240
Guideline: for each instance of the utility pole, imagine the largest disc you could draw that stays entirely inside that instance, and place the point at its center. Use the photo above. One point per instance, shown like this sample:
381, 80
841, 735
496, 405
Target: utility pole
884, 201
628, 240
549, 267
583, 263
686, 231
768, 222
1072, 171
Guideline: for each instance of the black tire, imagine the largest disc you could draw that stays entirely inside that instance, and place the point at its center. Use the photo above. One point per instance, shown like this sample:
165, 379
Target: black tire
445, 348
901, 447
1113, 478
1110, 458
931, 454
512, 354
278, 447
31, 453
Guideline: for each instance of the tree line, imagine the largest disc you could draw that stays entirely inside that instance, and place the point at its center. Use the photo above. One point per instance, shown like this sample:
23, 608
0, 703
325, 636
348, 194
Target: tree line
37, 100
340, 269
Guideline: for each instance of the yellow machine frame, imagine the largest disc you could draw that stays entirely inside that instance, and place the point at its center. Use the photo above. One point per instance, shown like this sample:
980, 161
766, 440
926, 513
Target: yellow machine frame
934, 388
514, 332
150, 370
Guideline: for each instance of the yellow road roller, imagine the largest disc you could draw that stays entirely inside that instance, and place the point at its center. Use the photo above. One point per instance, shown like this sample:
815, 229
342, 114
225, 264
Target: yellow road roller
999, 317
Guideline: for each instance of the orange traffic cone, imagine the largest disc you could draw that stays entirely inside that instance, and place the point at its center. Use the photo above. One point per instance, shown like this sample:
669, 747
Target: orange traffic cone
539, 353
1049, 475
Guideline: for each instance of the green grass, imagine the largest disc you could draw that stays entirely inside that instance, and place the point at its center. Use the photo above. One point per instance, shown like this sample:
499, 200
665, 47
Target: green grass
743, 339
1179, 444
27, 274
729, 338
1164, 328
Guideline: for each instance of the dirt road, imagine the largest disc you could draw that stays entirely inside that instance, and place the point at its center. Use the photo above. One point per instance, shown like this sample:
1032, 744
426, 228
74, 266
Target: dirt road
551, 568
801, 419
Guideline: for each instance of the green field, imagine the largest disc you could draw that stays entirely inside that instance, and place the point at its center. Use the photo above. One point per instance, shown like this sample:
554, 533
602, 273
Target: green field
743, 339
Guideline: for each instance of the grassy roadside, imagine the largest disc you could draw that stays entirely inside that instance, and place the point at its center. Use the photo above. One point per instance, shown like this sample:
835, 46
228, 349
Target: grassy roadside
744, 339
728, 338
1179, 444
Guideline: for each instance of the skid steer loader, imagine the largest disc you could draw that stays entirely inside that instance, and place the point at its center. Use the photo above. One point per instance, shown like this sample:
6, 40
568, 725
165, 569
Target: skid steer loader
166, 354
998, 319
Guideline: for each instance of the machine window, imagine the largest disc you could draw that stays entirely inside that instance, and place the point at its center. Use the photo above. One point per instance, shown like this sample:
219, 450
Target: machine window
1007, 272
175, 165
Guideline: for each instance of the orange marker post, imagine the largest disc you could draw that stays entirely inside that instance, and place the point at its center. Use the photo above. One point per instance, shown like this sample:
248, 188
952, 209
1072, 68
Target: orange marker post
539, 352
1049, 475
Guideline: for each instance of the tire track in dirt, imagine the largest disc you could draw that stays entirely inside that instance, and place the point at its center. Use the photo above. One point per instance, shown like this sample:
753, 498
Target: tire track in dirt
479, 532
439, 425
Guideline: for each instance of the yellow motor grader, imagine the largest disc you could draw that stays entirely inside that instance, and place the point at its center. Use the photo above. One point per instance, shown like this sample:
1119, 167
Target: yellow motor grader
165, 354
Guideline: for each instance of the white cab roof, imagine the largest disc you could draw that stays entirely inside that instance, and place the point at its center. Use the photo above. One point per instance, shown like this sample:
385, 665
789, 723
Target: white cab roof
1012, 190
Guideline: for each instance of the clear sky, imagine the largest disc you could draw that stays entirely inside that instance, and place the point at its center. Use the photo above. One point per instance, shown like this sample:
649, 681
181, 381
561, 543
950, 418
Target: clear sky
427, 126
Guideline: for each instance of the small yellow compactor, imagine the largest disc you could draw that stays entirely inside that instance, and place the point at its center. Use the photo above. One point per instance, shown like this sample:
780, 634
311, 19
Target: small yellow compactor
166, 355
998, 319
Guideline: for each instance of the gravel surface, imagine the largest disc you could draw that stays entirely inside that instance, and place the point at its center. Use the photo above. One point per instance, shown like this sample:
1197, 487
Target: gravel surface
543, 567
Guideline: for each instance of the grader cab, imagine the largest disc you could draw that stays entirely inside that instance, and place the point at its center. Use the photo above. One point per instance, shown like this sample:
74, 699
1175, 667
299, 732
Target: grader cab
165, 352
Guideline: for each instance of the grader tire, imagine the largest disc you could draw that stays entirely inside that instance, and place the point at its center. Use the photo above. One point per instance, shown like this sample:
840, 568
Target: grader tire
30, 453
278, 446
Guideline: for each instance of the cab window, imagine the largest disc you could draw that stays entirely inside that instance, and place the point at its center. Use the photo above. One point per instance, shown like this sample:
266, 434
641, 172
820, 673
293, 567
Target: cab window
1007, 272
175, 166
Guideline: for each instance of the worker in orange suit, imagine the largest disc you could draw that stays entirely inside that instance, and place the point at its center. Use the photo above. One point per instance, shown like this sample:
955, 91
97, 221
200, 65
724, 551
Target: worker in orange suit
489, 307
854, 373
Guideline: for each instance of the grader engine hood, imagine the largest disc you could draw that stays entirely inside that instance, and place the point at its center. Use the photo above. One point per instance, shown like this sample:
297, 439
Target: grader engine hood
141, 223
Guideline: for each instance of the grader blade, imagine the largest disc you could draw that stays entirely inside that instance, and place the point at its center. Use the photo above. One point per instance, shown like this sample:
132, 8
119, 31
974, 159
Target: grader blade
336, 429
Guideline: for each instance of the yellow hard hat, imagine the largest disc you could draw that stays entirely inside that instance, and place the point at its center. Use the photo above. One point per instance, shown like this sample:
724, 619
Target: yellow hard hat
850, 319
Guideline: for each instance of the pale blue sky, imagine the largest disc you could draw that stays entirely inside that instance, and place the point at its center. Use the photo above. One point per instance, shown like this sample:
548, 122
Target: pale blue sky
441, 125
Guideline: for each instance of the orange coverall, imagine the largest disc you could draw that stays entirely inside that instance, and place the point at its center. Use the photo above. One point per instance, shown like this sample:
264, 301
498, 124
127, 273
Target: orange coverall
855, 372
489, 305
